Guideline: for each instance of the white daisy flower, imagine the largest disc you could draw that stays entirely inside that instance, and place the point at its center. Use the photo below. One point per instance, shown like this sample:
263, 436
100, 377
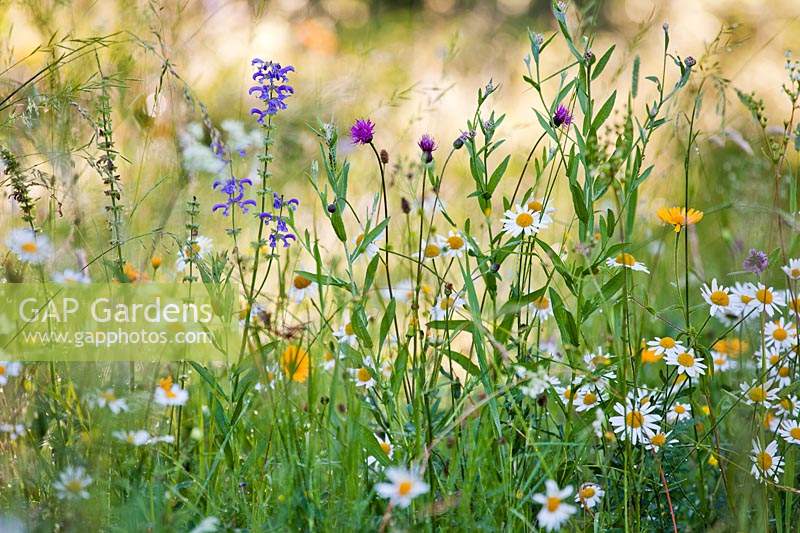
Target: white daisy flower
587, 397
722, 363
787, 407
666, 346
372, 248
764, 299
454, 244
541, 212
758, 393
136, 438
626, 260
790, 431
792, 269
718, 298
385, 445
679, 412
542, 308
536, 381
404, 485
655, 442
520, 221
403, 291
301, 288
8, 369
597, 360
589, 495
780, 334
169, 393
781, 375
192, 250
687, 363
346, 333
14, 431
555, 511
635, 421
107, 398
446, 306
363, 374
72, 483
28, 246
766, 461
70, 276
329, 361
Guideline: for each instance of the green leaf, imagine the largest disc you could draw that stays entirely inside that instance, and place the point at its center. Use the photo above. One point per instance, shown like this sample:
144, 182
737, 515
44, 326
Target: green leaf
604, 112
386, 322
370, 236
323, 279
601, 63
370, 275
566, 322
464, 362
359, 323
498, 174
514, 305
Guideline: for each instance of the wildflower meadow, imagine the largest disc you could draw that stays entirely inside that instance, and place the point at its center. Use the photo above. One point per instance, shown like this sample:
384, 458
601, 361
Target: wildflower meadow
313, 297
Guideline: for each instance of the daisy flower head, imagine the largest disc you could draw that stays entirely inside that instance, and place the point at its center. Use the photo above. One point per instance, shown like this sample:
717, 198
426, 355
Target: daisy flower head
301, 288
108, 398
766, 461
679, 217
790, 431
780, 334
329, 361
792, 302
371, 249
718, 298
597, 360
687, 363
792, 270
386, 447
346, 334
635, 421
781, 374
764, 299
541, 212
787, 407
587, 397
555, 511
536, 381
446, 306
626, 260
8, 369
666, 346
71, 277
169, 393
679, 412
403, 486
193, 250
542, 308
72, 483
135, 438
657, 441
589, 495
434, 247
363, 375
520, 221
722, 363
454, 244
758, 394
29, 246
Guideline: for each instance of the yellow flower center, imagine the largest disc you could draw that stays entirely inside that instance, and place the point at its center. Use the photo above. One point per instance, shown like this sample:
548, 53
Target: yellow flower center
784, 371
535, 206
363, 375
404, 488
649, 356
746, 299
764, 296
2, 370
764, 461
659, 439
109, 395
625, 259
553, 503
757, 394
720, 298
680, 409
524, 220
29, 247
348, 329
432, 250
74, 485
446, 303
301, 283
589, 398
455, 242
795, 272
542, 303
795, 433
686, 360
779, 334
634, 419
359, 239
386, 447
166, 386
667, 343
587, 492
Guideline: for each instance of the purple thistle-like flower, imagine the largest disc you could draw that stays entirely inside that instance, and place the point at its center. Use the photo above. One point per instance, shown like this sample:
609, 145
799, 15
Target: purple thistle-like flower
234, 190
756, 262
562, 117
427, 143
273, 87
362, 131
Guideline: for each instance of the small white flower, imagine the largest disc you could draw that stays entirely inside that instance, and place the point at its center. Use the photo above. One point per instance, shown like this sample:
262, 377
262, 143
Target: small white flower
597, 360
766, 461
542, 308
780, 334
28, 246
541, 212
197, 248
536, 382
432, 248
758, 393
589, 495
363, 374
403, 291
555, 511
787, 407
764, 299
70, 276
635, 421
520, 221
679, 412
404, 485
790, 431
72, 483
385, 445
687, 363
781, 374
136, 438
302, 288
587, 398
107, 398
346, 333
372, 249
666, 346
718, 298
169, 393
446, 306
209, 524
454, 244
722, 363
792, 269
8, 369
658, 440
626, 260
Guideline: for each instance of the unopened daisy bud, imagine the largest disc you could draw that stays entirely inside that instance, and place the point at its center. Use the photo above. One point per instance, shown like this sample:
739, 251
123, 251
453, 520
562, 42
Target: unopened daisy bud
690, 61
384, 157
405, 206
155, 262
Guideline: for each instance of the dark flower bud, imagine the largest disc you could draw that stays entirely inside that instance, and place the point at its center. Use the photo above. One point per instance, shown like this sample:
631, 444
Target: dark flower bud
331, 208
495, 267
690, 61
588, 57
342, 408
542, 400
324, 400
458, 143
384, 157
405, 206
